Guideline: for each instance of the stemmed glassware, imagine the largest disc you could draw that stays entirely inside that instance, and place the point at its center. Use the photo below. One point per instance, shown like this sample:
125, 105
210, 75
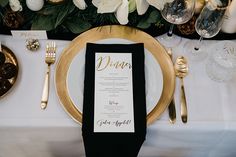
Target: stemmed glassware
208, 25
176, 12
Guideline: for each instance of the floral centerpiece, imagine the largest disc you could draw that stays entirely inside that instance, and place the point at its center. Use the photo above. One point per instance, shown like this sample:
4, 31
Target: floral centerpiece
73, 17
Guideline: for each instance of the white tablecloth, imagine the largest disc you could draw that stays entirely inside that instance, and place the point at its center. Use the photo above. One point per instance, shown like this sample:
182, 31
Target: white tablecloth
26, 130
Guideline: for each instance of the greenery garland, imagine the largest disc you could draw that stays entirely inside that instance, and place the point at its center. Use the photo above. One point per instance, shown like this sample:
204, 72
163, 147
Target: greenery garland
67, 18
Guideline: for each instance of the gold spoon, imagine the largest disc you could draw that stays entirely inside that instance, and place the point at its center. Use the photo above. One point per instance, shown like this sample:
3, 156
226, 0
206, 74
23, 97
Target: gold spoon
181, 70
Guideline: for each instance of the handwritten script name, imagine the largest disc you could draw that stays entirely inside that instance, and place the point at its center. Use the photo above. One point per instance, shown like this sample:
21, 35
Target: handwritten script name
116, 123
107, 62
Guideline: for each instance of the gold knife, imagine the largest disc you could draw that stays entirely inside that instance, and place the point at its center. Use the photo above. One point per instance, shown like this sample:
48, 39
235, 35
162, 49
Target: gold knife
171, 107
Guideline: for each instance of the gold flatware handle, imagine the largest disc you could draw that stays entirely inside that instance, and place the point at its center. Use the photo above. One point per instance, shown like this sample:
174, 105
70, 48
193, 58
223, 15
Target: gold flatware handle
172, 111
44, 99
183, 104
171, 107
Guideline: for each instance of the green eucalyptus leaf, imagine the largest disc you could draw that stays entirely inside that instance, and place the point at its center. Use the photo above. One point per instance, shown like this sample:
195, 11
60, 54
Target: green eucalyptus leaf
61, 16
42, 22
63, 13
3, 3
77, 25
153, 17
143, 24
71, 7
148, 19
49, 10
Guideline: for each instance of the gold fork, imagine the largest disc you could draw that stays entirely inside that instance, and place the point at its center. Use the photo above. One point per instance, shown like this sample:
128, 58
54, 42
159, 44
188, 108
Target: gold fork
50, 58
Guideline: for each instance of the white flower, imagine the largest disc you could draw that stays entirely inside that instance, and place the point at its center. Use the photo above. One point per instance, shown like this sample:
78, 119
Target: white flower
132, 6
80, 4
119, 7
142, 6
15, 5
107, 6
122, 12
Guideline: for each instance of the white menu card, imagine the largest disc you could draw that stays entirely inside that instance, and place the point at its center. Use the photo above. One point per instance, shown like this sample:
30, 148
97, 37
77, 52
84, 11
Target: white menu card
113, 93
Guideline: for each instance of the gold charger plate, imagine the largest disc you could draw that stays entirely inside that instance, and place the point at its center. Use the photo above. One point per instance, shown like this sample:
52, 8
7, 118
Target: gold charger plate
115, 31
10, 58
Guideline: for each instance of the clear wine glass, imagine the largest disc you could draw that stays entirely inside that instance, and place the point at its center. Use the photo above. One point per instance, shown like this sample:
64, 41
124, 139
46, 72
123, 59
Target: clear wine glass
208, 25
176, 12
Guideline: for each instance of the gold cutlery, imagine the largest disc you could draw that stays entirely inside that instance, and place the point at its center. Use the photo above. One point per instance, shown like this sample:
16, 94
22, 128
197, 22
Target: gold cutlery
171, 107
50, 58
181, 70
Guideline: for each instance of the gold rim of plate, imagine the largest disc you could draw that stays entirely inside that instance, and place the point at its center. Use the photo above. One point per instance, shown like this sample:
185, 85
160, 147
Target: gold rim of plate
115, 31
10, 58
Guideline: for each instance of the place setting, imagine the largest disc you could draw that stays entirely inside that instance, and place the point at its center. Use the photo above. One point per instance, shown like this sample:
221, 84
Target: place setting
114, 81
159, 70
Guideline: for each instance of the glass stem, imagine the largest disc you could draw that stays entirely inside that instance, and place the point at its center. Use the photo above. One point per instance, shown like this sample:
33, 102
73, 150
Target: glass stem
197, 47
170, 32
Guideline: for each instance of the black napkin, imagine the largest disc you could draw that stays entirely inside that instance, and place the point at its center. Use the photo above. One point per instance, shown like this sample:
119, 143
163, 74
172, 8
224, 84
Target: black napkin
116, 144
